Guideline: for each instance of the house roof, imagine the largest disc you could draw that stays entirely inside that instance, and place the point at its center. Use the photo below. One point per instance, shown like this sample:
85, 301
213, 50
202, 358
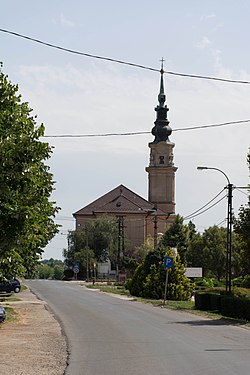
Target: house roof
117, 201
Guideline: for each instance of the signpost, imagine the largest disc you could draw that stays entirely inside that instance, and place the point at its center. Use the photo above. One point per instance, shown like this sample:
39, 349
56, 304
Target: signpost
76, 269
168, 263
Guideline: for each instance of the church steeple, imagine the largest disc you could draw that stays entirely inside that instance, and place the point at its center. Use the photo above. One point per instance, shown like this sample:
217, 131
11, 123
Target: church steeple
161, 96
161, 130
161, 169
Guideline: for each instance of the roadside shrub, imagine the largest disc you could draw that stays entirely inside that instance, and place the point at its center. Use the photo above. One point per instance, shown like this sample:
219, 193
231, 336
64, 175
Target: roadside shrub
179, 292
235, 307
218, 284
209, 300
127, 285
241, 292
246, 282
215, 302
153, 285
237, 281
228, 305
149, 278
204, 282
202, 301
135, 286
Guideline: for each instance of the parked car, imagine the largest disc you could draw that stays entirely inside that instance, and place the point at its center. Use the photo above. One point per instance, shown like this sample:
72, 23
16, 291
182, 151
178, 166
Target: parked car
2, 314
9, 286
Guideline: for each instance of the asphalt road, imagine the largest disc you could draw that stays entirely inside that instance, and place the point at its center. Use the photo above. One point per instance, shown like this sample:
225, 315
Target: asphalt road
111, 336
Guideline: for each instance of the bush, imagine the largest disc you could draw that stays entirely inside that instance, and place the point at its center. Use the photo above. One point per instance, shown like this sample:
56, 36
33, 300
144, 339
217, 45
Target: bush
204, 282
241, 292
128, 284
215, 301
208, 301
218, 283
235, 307
149, 279
246, 282
237, 281
228, 305
153, 285
202, 301
135, 285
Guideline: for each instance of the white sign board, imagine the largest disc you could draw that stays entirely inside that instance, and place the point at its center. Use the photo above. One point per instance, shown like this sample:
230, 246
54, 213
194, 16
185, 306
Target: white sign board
104, 268
193, 272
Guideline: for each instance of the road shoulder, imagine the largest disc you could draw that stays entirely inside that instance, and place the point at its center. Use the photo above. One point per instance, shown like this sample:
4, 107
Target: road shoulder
34, 342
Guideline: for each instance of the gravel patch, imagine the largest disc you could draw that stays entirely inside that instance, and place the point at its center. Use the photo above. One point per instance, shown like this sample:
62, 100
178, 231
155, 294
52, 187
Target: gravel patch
34, 344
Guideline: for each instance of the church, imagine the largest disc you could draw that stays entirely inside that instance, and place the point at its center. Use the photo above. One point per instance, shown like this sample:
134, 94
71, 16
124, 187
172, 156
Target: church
137, 217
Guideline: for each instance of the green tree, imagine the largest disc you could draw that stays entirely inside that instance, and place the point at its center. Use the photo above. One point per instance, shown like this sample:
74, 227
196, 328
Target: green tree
141, 251
44, 271
195, 256
178, 236
149, 278
214, 251
242, 229
50, 269
97, 241
103, 236
53, 262
78, 251
26, 213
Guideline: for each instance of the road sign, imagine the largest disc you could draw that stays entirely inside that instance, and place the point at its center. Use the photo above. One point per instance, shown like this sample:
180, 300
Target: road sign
76, 268
168, 262
193, 271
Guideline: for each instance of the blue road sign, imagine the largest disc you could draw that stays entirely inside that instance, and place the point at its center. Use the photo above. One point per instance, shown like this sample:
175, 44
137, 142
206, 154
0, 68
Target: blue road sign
168, 262
76, 268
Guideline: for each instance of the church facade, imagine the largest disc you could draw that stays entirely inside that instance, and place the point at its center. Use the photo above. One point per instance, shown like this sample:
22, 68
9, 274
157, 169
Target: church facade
136, 216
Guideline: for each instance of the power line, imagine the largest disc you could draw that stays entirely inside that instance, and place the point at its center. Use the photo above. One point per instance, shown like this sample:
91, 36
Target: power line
209, 78
143, 132
222, 222
121, 61
202, 212
243, 192
213, 125
205, 205
64, 219
78, 52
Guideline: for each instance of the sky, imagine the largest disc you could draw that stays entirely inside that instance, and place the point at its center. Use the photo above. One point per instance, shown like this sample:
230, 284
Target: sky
74, 94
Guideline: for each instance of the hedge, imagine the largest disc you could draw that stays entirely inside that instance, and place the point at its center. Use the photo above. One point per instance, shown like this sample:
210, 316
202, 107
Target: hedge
202, 301
227, 305
235, 307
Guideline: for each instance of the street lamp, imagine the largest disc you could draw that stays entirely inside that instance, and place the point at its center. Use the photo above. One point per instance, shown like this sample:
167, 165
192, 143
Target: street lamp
229, 228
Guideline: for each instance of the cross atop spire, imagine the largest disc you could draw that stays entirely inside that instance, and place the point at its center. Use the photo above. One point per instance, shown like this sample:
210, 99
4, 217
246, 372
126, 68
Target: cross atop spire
161, 96
162, 70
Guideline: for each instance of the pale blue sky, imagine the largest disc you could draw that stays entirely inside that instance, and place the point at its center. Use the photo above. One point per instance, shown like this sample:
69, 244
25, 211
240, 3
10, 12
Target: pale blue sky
78, 95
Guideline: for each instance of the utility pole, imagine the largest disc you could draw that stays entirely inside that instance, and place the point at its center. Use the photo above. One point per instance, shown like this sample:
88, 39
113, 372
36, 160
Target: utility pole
87, 255
229, 229
120, 248
123, 244
229, 239
155, 229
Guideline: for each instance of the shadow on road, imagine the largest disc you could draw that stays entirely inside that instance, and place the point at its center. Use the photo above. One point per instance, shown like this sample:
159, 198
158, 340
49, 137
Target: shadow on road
213, 322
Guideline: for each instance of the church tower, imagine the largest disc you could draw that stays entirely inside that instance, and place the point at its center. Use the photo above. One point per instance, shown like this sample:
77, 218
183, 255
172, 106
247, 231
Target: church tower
161, 169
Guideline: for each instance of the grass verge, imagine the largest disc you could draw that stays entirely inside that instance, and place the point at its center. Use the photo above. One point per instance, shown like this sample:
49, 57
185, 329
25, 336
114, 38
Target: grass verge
110, 289
11, 315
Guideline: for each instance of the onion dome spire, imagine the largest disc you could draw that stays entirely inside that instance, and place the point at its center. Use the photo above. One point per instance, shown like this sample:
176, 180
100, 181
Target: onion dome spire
161, 130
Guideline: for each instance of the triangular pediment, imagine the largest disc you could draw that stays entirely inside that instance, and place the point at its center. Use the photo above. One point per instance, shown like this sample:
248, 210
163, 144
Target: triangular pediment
119, 200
